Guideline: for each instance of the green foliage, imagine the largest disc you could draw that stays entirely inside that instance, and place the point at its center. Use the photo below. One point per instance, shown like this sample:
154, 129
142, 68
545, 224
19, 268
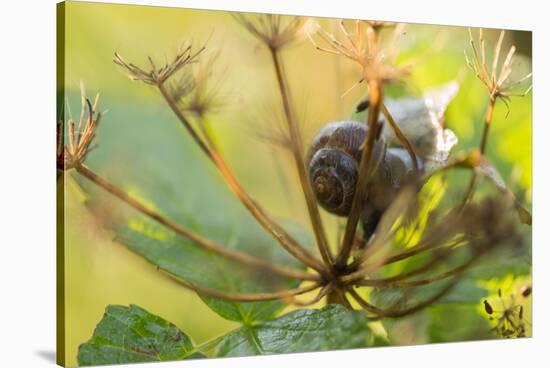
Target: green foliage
457, 322
330, 328
208, 269
132, 335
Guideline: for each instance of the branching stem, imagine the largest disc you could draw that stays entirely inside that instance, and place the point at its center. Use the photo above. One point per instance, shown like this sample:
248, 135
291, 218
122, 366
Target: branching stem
275, 229
205, 243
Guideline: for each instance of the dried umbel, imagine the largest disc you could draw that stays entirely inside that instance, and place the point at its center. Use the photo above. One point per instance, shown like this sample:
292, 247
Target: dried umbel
157, 75
73, 149
352, 171
360, 45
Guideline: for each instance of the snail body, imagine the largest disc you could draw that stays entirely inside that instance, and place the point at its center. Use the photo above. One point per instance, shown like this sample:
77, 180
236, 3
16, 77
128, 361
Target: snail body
333, 165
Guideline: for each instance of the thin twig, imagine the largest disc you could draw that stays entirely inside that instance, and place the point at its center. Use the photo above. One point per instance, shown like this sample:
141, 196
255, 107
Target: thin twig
375, 99
240, 297
482, 147
401, 136
205, 243
320, 295
452, 272
362, 302
419, 306
298, 151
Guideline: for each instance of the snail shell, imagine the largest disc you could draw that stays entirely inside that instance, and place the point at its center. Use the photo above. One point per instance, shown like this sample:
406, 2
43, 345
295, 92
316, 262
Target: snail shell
333, 163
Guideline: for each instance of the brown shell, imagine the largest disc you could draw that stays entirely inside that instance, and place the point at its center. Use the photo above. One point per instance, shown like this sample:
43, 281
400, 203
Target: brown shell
333, 163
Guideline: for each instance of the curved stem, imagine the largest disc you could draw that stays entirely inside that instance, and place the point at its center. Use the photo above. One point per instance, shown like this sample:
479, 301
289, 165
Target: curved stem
369, 268
453, 272
320, 295
394, 280
362, 302
276, 230
418, 306
240, 297
401, 136
298, 152
205, 243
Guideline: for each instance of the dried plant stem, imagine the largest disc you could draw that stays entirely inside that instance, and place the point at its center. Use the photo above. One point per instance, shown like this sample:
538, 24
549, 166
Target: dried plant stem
452, 272
275, 229
205, 243
356, 277
427, 266
402, 138
320, 295
392, 313
482, 147
369, 268
375, 99
487, 124
362, 302
174, 107
334, 296
240, 297
298, 152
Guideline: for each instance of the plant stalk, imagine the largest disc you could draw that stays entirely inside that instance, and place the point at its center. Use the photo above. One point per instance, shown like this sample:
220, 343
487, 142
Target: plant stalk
375, 99
205, 243
298, 152
482, 147
401, 136
241, 297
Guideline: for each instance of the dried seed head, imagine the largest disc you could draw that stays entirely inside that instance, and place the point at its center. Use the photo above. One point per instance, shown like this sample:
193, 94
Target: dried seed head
272, 30
80, 134
496, 79
487, 224
196, 91
158, 75
360, 46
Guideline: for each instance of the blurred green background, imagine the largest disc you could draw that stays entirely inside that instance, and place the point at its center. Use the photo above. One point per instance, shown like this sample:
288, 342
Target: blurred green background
139, 132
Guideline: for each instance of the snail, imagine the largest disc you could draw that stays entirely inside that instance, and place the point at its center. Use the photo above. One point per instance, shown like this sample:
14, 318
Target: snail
333, 165
335, 152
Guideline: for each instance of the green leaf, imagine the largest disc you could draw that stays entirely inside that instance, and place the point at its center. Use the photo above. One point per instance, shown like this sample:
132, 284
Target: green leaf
503, 262
208, 269
132, 335
458, 322
163, 168
330, 328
